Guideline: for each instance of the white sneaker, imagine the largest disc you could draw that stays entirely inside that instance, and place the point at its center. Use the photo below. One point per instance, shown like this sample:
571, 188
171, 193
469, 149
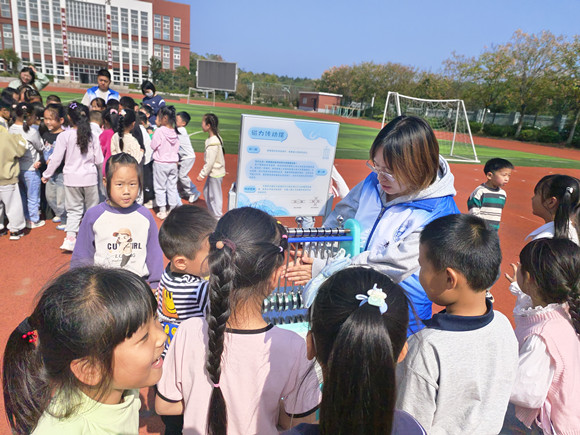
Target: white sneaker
31, 225
148, 204
194, 197
56, 220
16, 235
162, 214
69, 243
61, 227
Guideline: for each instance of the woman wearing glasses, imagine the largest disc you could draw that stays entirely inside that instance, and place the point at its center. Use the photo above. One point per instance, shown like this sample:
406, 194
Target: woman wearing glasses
409, 186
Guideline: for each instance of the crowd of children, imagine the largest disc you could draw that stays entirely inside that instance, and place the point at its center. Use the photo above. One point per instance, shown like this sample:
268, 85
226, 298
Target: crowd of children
98, 333
67, 147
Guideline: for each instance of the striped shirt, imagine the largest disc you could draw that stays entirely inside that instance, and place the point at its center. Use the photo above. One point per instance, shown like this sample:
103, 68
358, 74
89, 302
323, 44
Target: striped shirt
487, 203
180, 296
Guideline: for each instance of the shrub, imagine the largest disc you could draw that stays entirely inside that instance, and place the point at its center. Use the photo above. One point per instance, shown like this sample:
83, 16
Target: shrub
475, 127
529, 135
548, 135
499, 130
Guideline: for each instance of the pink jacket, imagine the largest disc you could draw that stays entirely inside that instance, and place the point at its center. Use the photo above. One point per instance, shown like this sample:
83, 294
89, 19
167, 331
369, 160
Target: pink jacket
165, 145
563, 344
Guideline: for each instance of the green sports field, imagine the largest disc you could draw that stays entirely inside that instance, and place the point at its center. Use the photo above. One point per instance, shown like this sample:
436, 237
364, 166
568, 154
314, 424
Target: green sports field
353, 141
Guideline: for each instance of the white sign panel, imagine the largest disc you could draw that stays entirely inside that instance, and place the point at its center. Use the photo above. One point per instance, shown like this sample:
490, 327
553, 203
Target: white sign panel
284, 165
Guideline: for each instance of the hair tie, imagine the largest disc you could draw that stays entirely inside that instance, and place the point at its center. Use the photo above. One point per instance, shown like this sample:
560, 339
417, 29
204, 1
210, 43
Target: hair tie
216, 385
226, 242
376, 297
114, 111
570, 190
72, 105
284, 236
122, 113
281, 249
28, 333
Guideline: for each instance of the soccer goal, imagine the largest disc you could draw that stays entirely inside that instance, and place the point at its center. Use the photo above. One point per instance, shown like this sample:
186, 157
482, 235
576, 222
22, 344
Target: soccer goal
447, 117
200, 94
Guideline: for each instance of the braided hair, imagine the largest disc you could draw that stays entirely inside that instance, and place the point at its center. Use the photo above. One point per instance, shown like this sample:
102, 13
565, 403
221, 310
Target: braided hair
554, 267
246, 249
125, 120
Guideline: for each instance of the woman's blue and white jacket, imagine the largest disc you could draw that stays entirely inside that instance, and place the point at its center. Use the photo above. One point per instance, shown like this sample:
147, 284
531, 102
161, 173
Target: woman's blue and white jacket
390, 231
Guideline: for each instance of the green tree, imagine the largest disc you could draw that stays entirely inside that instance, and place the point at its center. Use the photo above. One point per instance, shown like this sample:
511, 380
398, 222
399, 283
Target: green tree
531, 70
10, 59
155, 68
569, 81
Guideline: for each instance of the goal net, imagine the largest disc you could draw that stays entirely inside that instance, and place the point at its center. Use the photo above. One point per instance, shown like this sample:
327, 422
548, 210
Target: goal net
447, 118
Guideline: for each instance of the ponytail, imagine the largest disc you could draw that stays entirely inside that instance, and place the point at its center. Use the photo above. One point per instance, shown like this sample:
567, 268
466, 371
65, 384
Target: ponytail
246, 249
169, 112
27, 391
554, 268
358, 348
566, 190
213, 122
79, 117
23, 110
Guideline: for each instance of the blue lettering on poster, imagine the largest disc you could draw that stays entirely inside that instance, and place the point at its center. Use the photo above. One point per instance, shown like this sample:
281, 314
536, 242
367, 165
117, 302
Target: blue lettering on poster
313, 131
254, 149
263, 133
276, 170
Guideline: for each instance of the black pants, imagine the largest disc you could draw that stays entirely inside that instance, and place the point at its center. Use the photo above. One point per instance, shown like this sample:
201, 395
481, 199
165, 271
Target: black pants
173, 424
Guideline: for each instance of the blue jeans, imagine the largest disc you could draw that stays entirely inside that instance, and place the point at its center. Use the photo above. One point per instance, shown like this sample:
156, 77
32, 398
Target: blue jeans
29, 182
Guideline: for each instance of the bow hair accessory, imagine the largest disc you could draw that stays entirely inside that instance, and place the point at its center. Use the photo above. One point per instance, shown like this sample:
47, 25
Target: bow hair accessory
72, 105
376, 297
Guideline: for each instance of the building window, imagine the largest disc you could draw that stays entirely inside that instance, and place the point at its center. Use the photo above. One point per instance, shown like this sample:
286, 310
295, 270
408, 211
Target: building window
33, 10
166, 57
8, 37
21, 6
114, 19
176, 57
5, 8
144, 24
84, 46
44, 11
124, 21
157, 51
166, 27
85, 15
177, 29
157, 27
134, 22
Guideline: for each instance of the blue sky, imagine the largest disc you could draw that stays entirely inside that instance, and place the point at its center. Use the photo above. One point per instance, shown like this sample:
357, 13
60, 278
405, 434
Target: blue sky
303, 38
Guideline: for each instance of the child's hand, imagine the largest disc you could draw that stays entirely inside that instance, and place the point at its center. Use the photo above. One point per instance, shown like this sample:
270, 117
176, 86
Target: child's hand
44, 180
36, 165
299, 271
199, 178
513, 277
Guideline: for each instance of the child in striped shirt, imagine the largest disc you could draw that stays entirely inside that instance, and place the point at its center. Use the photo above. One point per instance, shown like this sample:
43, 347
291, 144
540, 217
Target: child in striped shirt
488, 199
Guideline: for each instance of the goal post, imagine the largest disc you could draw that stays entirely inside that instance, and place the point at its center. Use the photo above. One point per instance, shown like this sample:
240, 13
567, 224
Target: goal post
197, 91
448, 118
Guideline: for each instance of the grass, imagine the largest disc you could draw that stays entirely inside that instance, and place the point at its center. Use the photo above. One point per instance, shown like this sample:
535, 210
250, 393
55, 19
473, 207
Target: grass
353, 141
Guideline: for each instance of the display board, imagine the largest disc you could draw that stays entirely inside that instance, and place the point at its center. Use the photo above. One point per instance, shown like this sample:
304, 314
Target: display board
220, 76
285, 165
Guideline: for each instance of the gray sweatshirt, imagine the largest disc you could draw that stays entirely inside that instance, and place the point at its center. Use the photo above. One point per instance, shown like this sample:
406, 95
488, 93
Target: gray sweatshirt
458, 375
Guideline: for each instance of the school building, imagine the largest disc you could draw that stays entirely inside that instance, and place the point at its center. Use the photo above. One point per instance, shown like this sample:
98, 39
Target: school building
73, 39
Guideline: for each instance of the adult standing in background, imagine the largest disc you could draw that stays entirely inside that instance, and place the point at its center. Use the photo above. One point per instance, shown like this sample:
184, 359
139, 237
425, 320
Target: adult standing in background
102, 89
151, 99
30, 77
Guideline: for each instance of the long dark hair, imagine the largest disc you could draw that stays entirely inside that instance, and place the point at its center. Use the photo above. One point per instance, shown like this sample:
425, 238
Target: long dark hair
111, 117
83, 314
566, 190
23, 110
213, 122
126, 119
554, 267
78, 114
169, 112
358, 348
246, 248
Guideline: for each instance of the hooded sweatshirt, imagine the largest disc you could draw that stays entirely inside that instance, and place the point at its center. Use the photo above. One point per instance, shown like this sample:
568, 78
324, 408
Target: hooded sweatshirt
12, 147
165, 145
390, 230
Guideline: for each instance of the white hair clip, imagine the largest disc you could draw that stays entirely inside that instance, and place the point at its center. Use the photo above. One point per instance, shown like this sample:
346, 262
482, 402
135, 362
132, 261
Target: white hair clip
570, 190
376, 297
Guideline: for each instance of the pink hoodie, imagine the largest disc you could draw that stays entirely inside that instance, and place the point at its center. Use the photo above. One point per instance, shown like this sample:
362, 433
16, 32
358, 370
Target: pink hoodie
165, 145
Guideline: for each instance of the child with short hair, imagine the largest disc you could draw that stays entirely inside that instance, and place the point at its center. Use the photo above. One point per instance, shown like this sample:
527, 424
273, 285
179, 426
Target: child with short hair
76, 364
488, 199
183, 290
53, 99
97, 105
119, 232
458, 375
547, 318
186, 160
234, 373
5, 113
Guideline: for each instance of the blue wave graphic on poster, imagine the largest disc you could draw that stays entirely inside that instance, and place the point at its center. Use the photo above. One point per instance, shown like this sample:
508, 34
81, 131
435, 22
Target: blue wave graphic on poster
264, 205
313, 131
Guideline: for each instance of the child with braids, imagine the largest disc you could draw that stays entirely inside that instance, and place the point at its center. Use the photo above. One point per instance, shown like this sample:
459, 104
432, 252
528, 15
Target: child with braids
75, 366
123, 141
165, 146
358, 332
214, 167
81, 153
234, 373
546, 393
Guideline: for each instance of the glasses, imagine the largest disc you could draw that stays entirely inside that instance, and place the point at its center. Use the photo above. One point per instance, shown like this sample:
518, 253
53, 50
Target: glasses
383, 173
